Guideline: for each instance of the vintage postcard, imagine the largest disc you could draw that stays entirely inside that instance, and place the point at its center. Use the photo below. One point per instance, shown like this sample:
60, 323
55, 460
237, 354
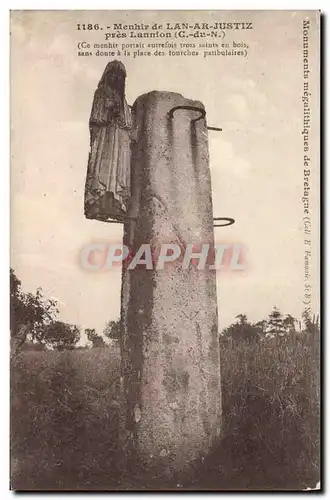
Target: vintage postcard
165, 242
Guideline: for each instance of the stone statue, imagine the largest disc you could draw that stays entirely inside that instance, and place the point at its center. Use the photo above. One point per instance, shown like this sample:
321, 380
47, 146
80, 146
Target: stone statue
107, 190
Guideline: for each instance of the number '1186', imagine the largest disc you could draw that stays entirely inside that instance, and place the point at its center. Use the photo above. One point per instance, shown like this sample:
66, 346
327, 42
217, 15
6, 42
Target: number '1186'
88, 27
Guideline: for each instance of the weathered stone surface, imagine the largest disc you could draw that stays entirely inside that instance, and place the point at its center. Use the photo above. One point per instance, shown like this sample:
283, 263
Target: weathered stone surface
170, 344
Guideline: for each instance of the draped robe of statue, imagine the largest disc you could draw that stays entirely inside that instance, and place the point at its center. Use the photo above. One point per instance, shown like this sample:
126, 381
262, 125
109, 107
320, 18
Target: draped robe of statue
107, 190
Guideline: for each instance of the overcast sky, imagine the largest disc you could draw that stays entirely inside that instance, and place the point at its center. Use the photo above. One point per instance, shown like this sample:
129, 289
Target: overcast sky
256, 161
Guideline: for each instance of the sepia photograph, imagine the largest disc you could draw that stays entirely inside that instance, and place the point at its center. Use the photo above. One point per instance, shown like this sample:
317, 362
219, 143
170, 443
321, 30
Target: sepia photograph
165, 250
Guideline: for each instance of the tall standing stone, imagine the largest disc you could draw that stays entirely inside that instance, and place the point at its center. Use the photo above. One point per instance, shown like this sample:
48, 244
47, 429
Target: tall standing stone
170, 350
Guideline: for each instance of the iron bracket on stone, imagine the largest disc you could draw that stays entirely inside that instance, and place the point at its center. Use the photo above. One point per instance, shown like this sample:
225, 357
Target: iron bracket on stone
117, 221
214, 128
193, 108
229, 221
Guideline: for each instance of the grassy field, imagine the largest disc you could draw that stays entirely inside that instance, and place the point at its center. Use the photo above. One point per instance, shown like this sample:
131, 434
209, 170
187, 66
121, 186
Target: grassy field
64, 419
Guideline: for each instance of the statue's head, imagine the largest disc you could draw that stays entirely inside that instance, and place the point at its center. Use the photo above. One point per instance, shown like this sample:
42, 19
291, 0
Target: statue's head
114, 76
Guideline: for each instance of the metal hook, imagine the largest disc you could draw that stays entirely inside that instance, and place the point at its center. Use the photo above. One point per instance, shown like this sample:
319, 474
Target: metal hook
189, 108
114, 221
214, 128
109, 221
229, 220
193, 108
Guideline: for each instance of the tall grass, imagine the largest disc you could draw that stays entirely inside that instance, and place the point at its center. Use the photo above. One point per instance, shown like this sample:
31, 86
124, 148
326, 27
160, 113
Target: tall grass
64, 419
271, 411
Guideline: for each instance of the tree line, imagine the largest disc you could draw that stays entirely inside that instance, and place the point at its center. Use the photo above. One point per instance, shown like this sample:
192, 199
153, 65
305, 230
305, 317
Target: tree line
34, 317
276, 326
